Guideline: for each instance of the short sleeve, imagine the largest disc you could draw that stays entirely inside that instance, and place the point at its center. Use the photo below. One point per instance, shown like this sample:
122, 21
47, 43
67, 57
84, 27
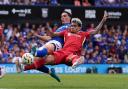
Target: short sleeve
62, 33
87, 34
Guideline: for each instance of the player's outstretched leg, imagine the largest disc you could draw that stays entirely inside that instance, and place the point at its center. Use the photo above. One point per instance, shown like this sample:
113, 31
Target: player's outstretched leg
54, 75
51, 72
20, 67
37, 64
34, 49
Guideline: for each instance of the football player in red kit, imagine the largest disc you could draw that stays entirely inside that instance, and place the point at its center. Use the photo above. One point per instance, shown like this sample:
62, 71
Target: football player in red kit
73, 41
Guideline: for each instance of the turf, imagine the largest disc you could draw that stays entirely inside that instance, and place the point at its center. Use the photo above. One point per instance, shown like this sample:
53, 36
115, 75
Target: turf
85, 81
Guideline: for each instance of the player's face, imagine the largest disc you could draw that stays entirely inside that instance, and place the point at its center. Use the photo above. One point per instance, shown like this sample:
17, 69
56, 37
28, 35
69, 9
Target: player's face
65, 18
74, 27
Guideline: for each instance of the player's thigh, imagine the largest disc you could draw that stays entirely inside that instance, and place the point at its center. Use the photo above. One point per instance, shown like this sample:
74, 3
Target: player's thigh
50, 59
50, 47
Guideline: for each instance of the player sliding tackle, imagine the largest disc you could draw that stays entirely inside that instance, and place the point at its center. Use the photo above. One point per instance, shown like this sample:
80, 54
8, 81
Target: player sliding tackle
74, 38
73, 41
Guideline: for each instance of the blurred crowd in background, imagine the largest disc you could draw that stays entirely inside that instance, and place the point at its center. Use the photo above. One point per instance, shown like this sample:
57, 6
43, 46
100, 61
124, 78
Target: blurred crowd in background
110, 45
66, 2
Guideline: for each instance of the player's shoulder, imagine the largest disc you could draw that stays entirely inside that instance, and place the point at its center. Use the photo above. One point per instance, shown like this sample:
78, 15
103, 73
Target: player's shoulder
63, 27
84, 33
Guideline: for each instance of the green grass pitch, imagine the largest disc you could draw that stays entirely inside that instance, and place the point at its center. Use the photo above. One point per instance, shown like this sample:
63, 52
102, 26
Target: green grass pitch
75, 81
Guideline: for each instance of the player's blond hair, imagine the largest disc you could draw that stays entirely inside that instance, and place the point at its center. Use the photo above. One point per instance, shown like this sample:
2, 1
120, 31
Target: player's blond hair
77, 20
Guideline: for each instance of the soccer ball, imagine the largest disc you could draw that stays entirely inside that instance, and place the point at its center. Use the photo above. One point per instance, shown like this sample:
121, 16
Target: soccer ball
27, 58
2, 72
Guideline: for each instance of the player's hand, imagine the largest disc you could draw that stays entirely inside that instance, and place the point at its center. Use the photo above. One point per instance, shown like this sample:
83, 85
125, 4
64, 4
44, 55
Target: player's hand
105, 17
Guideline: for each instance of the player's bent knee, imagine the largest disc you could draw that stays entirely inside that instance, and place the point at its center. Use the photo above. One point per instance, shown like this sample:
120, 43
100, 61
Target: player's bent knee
50, 48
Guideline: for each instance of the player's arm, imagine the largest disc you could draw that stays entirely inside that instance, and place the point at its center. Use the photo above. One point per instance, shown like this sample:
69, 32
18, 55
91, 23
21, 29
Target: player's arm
44, 38
97, 29
55, 33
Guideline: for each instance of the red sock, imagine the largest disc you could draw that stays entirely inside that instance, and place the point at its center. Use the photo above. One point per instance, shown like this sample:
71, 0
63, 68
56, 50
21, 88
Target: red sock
39, 63
29, 67
35, 65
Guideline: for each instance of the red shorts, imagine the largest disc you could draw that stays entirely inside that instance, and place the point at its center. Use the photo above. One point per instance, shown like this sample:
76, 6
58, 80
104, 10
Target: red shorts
61, 55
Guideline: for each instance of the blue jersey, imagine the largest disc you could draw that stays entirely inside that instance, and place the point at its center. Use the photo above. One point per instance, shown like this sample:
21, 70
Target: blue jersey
62, 28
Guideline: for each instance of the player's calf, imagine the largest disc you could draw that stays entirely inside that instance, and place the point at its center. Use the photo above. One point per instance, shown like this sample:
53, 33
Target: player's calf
54, 75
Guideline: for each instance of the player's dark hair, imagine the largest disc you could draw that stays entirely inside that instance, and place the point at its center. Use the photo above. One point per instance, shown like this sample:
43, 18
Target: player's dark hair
69, 14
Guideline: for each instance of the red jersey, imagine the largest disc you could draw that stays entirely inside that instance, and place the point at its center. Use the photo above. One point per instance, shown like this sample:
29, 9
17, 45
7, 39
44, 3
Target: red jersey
73, 45
74, 40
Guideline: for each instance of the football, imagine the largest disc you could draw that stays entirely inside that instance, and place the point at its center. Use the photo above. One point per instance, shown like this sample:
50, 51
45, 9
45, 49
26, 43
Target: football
27, 58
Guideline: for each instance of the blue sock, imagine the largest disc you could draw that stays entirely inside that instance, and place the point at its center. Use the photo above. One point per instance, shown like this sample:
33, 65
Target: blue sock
44, 69
41, 53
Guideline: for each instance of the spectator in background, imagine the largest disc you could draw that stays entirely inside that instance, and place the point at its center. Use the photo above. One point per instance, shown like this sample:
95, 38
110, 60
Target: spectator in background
125, 2
42, 2
77, 3
85, 3
91, 27
87, 57
33, 2
1, 54
126, 31
1, 2
8, 32
27, 2
54, 2
55, 26
6, 2
16, 57
19, 2
1, 35
126, 58
111, 2
5, 52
